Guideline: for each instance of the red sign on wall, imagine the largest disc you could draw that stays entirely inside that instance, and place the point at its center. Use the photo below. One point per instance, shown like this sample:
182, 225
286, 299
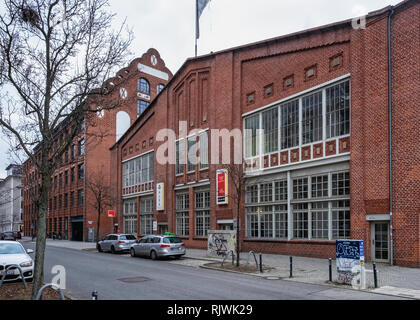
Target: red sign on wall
111, 213
221, 192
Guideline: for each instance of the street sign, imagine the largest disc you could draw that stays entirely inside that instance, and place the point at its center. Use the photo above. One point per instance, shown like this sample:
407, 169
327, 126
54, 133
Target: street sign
111, 213
155, 226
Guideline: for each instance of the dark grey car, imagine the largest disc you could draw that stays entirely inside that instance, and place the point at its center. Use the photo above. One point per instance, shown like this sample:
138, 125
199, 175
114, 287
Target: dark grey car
8, 235
116, 243
156, 246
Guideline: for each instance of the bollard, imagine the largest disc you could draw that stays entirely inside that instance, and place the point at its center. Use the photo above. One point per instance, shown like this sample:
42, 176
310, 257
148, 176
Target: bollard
95, 295
291, 267
233, 259
375, 278
330, 269
261, 268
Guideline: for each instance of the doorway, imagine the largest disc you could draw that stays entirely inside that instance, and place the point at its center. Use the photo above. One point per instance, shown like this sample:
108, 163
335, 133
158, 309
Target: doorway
380, 241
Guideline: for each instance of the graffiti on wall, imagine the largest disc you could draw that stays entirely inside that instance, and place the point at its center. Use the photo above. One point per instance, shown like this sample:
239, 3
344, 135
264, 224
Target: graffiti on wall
220, 242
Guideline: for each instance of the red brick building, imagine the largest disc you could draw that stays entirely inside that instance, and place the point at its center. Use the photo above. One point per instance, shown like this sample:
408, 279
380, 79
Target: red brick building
72, 209
322, 98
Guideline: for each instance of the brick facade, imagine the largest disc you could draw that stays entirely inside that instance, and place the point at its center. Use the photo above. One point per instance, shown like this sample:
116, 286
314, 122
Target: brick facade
99, 135
217, 91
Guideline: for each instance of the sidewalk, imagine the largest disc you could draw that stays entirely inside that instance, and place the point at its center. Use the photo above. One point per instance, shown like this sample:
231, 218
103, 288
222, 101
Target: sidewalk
393, 280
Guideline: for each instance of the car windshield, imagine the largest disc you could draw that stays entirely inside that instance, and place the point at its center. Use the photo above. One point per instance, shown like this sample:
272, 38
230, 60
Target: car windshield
172, 240
127, 237
8, 233
11, 248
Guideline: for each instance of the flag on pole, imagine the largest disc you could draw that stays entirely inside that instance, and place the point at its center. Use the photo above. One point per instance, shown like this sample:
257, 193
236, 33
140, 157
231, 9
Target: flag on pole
200, 5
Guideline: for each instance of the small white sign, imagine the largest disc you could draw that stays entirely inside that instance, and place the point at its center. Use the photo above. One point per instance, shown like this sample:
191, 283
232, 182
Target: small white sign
90, 222
160, 196
123, 93
143, 96
155, 225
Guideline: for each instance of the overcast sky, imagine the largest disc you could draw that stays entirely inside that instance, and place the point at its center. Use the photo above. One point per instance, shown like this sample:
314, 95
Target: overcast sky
169, 26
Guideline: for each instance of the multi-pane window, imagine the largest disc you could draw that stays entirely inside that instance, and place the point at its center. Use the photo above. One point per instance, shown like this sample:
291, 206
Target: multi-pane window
320, 186
139, 170
146, 215
66, 200
72, 174
143, 86
180, 156
338, 109
312, 118
289, 131
60, 201
341, 183
252, 194
252, 145
191, 155
270, 125
81, 171
266, 192
160, 87
66, 177
182, 214
341, 219
300, 220
130, 216
266, 222
73, 151
80, 197
203, 140
252, 222
319, 213
202, 213
81, 146
280, 190
141, 106
300, 188
72, 199
280, 221
60, 180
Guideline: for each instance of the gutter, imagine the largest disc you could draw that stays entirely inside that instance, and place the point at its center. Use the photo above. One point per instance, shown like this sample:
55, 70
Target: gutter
390, 134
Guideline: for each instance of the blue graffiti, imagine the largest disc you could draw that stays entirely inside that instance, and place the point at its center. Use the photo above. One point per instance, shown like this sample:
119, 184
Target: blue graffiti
348, 249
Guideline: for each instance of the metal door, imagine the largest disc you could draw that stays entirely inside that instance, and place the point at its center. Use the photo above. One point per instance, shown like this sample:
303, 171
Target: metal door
380, 241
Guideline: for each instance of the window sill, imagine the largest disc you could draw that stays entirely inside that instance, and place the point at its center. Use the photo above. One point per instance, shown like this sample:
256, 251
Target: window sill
200, 238
293, 241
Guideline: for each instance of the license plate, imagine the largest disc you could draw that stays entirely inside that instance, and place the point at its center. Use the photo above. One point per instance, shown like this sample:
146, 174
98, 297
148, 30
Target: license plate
9, 272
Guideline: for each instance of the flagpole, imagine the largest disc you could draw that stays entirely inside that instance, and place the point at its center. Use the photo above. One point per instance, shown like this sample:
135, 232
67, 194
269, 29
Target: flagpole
196, 26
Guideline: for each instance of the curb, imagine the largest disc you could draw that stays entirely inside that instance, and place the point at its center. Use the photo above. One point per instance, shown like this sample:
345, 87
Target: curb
322, 284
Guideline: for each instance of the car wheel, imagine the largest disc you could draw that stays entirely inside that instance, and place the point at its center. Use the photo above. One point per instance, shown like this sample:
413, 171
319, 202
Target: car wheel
153, 255
132, 252
113, 250
99, 248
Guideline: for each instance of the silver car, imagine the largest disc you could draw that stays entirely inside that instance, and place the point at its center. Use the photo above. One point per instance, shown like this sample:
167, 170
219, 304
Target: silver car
156, 246
116, 243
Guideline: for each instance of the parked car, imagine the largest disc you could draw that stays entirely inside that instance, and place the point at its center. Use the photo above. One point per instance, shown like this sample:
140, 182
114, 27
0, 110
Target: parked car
156, 246
116, 242
8, 235
17, 234
12, 252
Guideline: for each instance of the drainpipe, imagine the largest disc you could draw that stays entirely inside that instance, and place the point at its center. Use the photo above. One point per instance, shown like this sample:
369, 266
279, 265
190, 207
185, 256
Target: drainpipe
390, 133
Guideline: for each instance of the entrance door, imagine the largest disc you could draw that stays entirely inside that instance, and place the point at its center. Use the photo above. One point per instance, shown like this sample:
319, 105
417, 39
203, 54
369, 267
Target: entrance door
380, 241
77, 231
163, 228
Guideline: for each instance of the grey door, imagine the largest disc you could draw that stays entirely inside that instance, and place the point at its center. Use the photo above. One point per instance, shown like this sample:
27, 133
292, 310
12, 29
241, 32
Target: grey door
380, 241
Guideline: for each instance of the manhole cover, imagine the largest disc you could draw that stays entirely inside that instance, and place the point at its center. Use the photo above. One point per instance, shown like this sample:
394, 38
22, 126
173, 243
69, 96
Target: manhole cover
134, 279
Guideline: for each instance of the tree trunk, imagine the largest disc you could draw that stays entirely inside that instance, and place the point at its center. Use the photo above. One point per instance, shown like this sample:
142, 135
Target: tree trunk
98, 224
238, 206
38, 277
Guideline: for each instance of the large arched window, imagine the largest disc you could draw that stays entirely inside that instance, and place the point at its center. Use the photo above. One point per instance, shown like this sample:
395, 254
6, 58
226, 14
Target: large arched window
144, 86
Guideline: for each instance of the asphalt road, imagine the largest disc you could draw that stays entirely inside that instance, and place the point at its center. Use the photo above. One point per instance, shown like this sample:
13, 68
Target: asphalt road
162, 280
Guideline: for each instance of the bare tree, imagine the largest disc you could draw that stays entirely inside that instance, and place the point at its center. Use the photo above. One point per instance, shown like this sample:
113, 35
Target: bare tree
102, 196
236, 174
53, 56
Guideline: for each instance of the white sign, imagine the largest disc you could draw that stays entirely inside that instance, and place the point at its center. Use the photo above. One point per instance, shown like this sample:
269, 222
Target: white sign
160, 196
222, 186
155, 225
143, 96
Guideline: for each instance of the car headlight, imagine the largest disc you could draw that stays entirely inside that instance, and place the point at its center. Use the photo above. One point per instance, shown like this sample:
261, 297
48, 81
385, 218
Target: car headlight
26, 264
